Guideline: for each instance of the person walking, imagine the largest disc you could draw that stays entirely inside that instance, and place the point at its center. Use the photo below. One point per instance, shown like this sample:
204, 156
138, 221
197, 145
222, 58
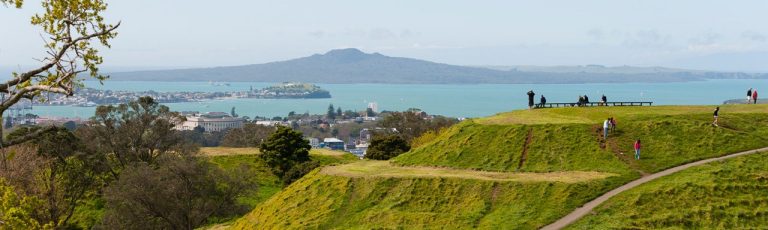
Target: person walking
717, 112
606, 126
530, 99
749, 95
637, 149
543, 100
754, 96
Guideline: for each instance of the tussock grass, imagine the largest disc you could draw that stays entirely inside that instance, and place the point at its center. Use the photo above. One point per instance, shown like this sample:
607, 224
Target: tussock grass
385, 169
730, 194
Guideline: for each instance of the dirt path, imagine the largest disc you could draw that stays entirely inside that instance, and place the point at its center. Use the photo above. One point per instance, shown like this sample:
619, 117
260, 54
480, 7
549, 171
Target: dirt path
369, 168
587, 208
524, 155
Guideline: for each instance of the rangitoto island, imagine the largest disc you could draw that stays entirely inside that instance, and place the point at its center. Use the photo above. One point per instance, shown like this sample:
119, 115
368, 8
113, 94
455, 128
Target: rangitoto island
87, 97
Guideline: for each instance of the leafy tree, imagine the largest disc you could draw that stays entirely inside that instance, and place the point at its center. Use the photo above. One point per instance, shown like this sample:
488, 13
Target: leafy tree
232, 112
250, 135
331, 112
339, 113
385, 147
18, 211
180, 193
70, 27
64, 175
369, 112
411, 124
139, 131
284, 149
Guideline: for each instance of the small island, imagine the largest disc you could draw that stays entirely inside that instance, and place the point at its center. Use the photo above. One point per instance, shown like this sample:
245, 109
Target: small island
291, 90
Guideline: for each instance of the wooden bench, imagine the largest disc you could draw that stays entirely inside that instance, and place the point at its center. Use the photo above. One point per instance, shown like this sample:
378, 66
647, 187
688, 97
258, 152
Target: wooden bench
591, 104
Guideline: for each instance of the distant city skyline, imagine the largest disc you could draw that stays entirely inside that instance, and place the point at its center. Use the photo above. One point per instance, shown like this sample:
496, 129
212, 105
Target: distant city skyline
706, 35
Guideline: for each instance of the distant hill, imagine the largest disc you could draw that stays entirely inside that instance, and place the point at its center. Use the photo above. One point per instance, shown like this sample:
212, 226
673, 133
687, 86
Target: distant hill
355, 66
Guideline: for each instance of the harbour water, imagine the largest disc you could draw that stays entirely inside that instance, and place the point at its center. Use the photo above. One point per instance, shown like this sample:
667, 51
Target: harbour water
450, 100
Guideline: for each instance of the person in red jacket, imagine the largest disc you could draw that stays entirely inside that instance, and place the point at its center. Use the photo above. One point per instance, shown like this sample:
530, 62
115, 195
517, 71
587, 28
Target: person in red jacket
754, 96
637, 149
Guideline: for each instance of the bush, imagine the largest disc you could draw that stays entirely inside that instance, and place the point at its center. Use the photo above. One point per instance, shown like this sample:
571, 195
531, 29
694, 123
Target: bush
385, 147
177, 193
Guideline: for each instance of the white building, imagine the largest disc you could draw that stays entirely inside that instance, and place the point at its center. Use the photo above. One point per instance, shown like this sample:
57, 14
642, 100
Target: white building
211, 122
374, 106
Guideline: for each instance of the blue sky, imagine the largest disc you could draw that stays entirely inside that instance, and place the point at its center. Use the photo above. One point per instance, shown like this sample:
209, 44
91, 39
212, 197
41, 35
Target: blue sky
712, 35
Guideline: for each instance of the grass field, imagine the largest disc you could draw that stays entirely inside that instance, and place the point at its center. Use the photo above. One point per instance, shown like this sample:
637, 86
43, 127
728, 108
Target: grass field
443, 183
732, 194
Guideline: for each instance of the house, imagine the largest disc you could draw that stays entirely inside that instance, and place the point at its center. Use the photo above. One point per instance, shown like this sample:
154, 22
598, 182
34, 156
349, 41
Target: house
333, 143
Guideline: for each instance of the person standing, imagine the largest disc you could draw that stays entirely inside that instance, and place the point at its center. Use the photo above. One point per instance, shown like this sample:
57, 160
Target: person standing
530, 99
637, 149
613, 124
749, 95
604, 100
717, 112
543, 100
606, 126
754, 96
586, 99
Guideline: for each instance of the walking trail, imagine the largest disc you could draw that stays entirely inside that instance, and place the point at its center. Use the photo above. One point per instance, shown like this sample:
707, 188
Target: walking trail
584, 210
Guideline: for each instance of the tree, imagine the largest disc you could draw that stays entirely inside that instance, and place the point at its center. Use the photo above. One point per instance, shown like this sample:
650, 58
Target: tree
250, 135
139, 131
70, 27
63, 174
284, 149
369, 112
385, 147
331, 112
232, 112
180, 193
338, 112
18, 211
411, 124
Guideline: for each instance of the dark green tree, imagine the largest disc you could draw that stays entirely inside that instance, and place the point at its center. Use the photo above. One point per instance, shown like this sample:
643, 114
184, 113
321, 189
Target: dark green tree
284, 149
339, 113
369, 112
386, 146
232, 112
331, 112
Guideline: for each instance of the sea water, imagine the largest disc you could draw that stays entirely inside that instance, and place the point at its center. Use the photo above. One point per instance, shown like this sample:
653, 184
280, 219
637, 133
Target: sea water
451, 100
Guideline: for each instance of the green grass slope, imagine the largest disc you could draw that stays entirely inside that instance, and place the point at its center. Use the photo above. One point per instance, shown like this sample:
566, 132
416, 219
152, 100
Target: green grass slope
320, 201
537, 141
731, 194
671, 135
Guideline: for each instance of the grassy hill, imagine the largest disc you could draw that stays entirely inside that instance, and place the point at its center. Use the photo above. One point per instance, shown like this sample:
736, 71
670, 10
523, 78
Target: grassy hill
731, 194
462, 178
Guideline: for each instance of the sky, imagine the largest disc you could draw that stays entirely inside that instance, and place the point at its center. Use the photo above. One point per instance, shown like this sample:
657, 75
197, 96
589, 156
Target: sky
156, 34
